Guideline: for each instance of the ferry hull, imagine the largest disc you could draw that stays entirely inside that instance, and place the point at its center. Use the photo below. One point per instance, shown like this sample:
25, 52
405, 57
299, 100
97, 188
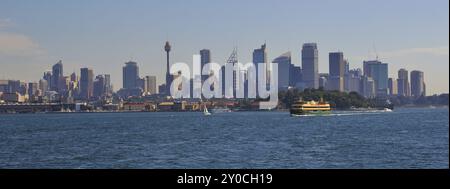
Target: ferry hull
303, 112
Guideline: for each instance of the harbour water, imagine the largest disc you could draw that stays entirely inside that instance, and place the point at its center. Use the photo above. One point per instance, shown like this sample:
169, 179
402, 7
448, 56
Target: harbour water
404, 138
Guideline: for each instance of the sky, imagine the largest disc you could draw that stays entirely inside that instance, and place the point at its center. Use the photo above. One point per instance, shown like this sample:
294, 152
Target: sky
104, 34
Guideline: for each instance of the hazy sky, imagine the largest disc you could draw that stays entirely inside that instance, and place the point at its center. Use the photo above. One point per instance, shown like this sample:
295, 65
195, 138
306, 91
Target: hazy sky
103, 34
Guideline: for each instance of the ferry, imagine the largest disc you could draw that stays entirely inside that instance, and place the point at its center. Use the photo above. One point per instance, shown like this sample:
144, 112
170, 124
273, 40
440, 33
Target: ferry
301, 107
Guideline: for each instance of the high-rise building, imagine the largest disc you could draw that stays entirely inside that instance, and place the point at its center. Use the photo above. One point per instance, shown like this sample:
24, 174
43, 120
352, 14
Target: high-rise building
392, 85
403, 86
99, 84
310, 65
353, 81
86, 83
378, 71
43, 86
130, 75
417, 84
32, 89
284, 66
295, 76
337, 71
169, 77
259, 57
108, 85
151, 84
57, 74
205, 58
368, 87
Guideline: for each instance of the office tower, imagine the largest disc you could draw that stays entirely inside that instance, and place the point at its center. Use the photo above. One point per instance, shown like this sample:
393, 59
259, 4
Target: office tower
151, 84
259, 57
353, 81
13, 86
284, 70
368, 87
337, 71
63, 84
32, 89
310, 65
322, 82
295, 76
378, 71
74, 77
99, 86
417, 84
347, 67
169, 77
48, 78
392, 85
43, 86
108, 85
403, 83
205, 58
86, 83
130, 75
57, 74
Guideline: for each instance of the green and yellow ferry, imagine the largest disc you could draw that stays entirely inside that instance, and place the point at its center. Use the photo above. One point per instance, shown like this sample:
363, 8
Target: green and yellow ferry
301, 107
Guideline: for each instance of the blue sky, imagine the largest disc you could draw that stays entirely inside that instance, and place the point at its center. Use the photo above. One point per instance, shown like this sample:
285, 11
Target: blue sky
103, 34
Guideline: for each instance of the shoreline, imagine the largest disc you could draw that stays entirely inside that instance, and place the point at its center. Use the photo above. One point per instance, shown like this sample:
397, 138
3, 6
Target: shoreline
276, 110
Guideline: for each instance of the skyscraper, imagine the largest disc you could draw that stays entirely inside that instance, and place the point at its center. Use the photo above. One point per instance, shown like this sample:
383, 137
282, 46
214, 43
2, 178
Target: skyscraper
167, 48
108, 85
86, 83
99, 86
259, 57
130, 75
378, 71
417, 83
403, 83
337, 70
205, 58
392, 85
310, 65
32, 89
284, 66
57, 74
151, 84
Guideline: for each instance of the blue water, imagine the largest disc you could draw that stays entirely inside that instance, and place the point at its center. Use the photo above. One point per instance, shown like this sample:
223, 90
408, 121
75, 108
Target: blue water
405, 138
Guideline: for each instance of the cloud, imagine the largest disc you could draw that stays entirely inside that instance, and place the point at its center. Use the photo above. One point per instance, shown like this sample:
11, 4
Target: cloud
436, 51
5, 22
18, 45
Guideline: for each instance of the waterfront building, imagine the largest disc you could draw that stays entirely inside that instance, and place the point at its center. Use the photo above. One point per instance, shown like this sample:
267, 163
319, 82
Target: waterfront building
151, 84
295, 76
403, 83
352, 81
392, 85
284, 70
57, 74
259, 57
33, 89
43, 86
205, 58
310, 65
368, 87
86, 83
130, 75
417, 83
336, 71
378, 71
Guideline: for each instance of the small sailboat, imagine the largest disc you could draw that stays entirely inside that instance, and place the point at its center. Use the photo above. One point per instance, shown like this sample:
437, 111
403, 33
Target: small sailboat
206, 112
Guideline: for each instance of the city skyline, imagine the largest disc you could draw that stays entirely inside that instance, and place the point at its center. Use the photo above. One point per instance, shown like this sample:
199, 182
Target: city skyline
28, 40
